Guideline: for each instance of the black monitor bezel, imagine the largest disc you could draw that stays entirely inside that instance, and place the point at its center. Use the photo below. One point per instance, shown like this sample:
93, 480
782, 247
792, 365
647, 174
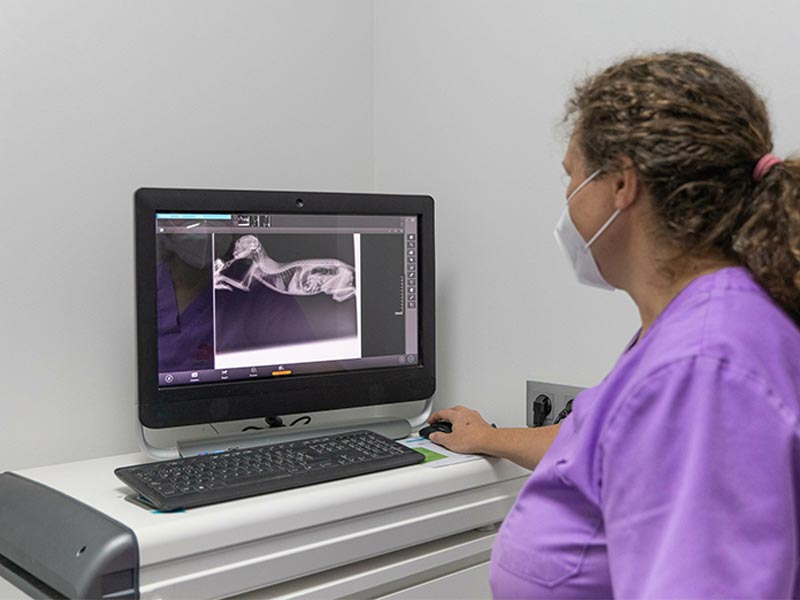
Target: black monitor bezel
161, 407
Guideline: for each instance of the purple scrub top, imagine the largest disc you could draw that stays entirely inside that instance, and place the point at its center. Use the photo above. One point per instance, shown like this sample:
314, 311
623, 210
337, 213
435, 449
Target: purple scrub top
678, 476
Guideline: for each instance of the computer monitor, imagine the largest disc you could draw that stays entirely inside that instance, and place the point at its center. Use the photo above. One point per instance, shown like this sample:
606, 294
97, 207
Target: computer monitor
266, 303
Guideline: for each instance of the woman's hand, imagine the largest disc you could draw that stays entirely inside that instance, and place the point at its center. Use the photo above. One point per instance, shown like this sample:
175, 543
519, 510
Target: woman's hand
470, 433
473, 435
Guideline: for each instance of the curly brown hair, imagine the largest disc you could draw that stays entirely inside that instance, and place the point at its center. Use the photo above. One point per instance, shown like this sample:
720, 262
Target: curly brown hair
694, 130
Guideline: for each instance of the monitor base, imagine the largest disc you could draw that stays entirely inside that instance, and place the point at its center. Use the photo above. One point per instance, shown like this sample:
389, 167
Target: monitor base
392, 427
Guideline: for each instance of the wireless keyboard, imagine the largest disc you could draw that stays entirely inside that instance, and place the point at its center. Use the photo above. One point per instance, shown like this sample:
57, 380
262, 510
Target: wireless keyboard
210, 478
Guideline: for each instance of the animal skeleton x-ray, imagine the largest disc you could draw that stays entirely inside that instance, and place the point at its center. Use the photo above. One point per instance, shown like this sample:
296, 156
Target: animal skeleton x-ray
304, 277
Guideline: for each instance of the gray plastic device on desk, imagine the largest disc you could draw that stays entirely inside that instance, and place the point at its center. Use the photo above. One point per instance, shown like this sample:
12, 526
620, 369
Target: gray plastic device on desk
54, 546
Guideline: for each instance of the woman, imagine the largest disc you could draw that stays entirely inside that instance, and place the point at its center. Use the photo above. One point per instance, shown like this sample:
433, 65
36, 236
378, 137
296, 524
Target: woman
678, 476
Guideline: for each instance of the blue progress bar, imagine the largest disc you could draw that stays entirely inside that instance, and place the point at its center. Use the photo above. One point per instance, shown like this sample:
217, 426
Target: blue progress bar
191, 216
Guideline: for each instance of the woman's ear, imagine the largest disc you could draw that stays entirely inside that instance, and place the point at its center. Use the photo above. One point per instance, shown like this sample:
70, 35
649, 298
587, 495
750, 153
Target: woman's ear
627, 185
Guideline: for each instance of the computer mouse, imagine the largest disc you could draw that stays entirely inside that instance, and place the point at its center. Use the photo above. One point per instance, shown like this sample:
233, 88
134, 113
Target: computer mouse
443, 426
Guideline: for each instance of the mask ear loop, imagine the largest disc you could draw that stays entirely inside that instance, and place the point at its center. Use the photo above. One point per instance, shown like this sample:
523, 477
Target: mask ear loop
602, 229
583, 184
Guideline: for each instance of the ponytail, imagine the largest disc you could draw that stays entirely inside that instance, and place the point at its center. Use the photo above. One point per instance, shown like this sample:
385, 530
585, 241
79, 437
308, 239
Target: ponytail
768, 241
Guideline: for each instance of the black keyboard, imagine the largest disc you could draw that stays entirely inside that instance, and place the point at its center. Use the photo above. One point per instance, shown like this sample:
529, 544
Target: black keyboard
211, 478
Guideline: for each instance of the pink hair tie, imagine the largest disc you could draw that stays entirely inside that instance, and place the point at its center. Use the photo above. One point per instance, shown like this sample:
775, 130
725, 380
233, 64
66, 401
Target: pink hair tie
764, 164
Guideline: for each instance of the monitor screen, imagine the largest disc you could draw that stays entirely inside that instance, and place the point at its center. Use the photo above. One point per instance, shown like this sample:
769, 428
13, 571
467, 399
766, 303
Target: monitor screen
253, 304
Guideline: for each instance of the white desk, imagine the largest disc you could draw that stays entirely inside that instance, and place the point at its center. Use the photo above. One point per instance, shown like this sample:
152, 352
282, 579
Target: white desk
413, 532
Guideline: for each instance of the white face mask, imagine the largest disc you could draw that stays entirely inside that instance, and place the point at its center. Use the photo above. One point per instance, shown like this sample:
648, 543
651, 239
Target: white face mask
577, 250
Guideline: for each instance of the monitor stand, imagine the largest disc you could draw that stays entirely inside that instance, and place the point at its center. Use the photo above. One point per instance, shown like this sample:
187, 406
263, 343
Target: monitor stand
392, 427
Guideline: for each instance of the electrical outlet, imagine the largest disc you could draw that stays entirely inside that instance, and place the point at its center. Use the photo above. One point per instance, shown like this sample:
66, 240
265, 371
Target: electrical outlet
557, 396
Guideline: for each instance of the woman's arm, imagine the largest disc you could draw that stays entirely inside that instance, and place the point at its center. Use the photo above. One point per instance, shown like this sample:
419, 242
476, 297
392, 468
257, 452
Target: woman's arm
473, 435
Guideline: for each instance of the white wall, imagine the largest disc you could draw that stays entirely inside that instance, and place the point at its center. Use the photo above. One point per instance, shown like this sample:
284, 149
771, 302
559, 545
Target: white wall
98, 98
468, 96
456, 98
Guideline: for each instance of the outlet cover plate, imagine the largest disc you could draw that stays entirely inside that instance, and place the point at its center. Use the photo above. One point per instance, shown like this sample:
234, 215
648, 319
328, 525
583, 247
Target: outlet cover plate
559, 396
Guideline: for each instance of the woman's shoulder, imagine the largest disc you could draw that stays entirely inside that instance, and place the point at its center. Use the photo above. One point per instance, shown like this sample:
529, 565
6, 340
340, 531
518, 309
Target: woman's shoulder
730, 318
729, 324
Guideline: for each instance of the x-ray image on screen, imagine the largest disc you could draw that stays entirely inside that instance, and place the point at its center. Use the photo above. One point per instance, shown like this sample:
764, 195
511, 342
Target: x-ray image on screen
304, 277
293, 293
